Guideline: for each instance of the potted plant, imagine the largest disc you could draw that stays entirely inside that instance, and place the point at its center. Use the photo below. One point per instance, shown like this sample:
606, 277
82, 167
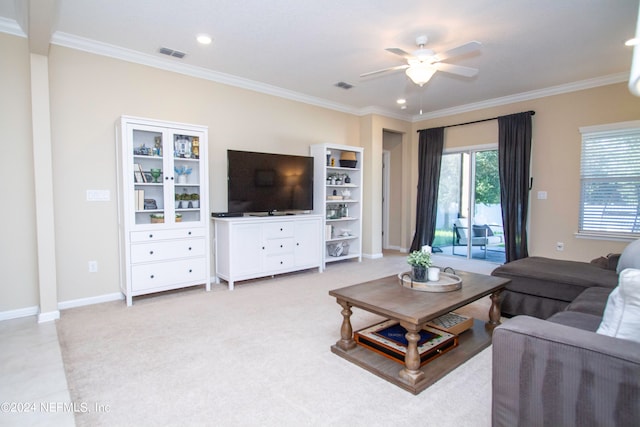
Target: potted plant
157, 218
195, 200
419, 261
177, 200
186, 198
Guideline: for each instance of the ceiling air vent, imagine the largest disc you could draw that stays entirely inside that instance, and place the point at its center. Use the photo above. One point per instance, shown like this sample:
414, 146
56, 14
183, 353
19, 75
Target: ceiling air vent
171, 52
344, 85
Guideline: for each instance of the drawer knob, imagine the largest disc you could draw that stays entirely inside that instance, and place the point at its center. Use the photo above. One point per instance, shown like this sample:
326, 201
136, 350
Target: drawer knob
280, 262
263, 248
150, 252
151, 236
190, 270
189, 233
152, 276
189, 248
280, 245
281, 229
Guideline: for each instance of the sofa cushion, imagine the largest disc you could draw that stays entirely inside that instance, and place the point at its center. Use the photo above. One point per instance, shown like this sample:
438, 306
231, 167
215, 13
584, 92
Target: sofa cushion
591, 301
575, 319
630, 257
553, 278
622, 315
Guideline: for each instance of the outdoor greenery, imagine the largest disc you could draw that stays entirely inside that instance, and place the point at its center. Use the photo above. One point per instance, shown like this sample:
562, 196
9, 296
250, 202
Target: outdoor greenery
487, 177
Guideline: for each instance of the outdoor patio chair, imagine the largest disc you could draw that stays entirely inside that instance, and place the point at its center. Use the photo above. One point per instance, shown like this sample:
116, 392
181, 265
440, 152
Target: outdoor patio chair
481, 235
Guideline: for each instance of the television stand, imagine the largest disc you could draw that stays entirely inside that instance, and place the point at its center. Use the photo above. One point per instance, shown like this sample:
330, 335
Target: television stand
257, 246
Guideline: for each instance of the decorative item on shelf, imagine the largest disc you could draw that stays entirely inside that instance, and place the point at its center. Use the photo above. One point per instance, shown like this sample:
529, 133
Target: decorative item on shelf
156, 173
178, 200
182, 173
157, 218
348, 159
185, 199
195, 200
150, 204
347, 180
345, 232
338, 180
195, 147
157, 146
333, 179
182, 147
338, 249
142, 151
419, 261
346, 194
178, 217
328, 157
333, 212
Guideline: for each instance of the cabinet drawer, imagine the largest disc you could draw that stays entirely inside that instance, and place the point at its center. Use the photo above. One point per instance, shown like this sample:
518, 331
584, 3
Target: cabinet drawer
278, 262
278, 246
157, 275
153, 235
278, 229
171, 249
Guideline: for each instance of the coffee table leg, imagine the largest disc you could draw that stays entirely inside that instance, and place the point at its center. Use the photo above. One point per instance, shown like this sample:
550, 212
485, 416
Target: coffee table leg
346, 341
494, 311
411, 372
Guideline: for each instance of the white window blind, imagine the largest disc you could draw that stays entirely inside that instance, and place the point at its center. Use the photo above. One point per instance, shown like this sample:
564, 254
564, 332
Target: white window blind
610, 180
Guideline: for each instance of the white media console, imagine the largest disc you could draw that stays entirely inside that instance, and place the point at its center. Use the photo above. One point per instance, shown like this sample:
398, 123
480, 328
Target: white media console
248, 247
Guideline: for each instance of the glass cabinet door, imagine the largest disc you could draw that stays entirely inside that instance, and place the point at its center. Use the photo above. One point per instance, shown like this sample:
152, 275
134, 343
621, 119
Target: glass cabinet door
148, 175
187, 184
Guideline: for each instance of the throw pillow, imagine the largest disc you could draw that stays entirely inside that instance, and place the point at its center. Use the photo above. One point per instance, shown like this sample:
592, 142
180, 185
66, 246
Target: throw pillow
621, 317
630, 257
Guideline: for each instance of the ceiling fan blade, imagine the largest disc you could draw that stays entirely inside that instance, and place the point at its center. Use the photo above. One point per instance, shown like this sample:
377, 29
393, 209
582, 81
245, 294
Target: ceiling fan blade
400, 52
456, 69
460, 50
384, 70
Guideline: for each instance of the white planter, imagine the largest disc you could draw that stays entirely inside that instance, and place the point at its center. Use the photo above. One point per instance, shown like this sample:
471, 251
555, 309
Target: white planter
195, 204
182, 179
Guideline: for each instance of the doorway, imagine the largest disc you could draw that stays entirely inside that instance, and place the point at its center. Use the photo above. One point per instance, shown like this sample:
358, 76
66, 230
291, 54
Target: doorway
469, 218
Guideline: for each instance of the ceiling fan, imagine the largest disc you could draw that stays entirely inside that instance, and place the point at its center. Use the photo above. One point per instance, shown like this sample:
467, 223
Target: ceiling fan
423, 63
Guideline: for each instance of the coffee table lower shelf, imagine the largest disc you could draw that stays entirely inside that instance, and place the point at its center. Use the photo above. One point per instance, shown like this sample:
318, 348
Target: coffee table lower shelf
470, 343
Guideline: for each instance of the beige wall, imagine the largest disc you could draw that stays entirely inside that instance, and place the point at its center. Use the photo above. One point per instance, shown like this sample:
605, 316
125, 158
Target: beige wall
88, 94
555, 162
18, 262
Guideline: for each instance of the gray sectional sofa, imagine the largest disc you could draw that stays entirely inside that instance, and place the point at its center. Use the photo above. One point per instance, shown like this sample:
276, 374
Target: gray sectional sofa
551, 367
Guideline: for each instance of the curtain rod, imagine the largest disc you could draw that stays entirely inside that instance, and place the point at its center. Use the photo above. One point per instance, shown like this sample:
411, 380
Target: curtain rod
482, 120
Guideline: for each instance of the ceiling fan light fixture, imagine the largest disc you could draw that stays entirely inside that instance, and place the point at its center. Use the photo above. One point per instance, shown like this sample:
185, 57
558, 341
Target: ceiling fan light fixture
421, 73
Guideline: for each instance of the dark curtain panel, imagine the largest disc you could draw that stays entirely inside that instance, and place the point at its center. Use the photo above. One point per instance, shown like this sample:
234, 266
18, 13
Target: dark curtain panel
431, 143
514, 154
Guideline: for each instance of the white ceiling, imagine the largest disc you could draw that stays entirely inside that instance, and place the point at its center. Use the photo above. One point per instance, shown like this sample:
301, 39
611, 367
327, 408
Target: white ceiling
301, 48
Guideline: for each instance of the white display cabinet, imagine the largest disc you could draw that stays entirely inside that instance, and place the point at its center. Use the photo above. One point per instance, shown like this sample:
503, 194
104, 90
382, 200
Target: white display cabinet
337, 195
162, 205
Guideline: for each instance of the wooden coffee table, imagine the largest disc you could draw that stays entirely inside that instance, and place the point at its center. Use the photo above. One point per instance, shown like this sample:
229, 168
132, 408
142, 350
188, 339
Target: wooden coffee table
413, 309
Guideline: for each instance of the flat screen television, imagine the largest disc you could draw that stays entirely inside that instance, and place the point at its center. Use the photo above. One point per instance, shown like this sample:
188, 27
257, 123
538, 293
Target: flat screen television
271, 183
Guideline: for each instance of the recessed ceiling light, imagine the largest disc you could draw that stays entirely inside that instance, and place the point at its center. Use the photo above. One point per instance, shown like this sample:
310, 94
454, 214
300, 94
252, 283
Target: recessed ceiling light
401, 101
404, 107
204, 39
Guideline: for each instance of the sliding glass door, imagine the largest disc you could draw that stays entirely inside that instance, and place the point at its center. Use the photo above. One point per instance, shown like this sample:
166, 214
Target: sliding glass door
469, 222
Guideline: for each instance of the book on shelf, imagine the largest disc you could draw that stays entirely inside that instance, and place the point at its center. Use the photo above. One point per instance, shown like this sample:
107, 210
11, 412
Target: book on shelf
138, 176
139, 200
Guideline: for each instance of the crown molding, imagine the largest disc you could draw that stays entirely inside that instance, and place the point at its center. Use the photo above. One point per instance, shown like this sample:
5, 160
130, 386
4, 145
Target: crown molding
372, 109
116, 52
526, 96
10, 26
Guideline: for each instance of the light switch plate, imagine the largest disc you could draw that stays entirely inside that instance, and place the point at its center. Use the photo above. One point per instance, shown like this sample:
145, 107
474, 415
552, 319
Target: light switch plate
98, 195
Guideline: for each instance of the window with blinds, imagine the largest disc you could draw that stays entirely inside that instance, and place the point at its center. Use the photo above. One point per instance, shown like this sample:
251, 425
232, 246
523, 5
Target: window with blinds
610, 181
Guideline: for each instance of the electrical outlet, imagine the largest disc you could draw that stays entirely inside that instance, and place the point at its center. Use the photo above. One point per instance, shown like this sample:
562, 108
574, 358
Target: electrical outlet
93, 266
559, 246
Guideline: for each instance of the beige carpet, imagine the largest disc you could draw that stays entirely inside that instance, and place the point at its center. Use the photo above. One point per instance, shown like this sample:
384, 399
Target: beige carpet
256, 356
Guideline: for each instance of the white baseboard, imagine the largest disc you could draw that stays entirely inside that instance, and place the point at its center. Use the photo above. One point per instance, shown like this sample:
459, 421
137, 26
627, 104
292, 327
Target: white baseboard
21, 312
48, 316
80, 302
372, 256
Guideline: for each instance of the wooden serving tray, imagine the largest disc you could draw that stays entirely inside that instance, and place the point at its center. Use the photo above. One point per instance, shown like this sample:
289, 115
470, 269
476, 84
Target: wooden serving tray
448, 282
